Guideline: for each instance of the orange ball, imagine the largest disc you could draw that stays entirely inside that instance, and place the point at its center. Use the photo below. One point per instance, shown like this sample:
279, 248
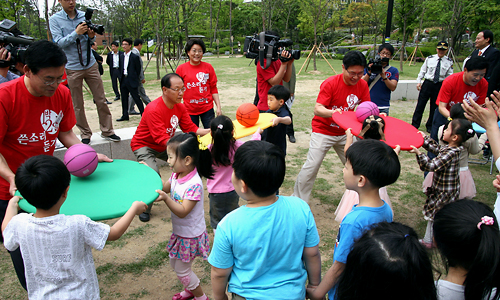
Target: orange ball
247, 114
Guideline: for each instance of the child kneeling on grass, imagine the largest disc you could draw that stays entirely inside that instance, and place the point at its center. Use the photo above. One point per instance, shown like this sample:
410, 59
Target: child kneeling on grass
268, 248
57, 249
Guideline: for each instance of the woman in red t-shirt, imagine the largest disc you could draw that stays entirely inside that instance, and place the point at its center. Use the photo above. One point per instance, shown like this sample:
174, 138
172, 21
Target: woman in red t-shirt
200, 84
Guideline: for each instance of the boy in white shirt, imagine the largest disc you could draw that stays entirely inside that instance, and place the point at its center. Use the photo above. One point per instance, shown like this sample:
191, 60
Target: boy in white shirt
57, 249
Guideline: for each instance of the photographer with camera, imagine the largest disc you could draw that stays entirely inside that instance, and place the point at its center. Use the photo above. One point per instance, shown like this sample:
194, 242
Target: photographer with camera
382, 78
73, 31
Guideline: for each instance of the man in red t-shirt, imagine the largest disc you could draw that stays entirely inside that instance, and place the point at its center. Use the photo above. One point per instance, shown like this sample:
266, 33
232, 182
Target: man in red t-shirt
341, 92
458, 87
35, 111
158, 124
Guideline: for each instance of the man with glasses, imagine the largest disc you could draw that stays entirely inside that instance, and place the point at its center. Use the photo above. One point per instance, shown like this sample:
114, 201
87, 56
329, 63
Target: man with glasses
433, 72
130, 71
459, 87
71, 33
341, 92
382, 84
37, 110
158, 124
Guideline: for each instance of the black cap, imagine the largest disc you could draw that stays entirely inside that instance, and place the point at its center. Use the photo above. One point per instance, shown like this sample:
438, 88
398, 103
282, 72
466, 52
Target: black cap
442, 45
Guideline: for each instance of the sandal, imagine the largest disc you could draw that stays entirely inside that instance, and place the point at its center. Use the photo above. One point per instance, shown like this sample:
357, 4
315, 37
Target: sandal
178, 296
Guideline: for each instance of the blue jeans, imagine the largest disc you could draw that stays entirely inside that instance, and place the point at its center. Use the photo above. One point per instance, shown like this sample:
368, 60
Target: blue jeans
205, 117
384, 110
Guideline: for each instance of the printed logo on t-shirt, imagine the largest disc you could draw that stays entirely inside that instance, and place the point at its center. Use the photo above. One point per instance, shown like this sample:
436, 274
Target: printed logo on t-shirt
352, 100
201, 84
51, 120
174, 122
470, 94
202, 77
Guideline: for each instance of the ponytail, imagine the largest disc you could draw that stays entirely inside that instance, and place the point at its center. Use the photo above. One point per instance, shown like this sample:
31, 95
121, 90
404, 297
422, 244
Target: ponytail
188, 144
464, 241
222, 140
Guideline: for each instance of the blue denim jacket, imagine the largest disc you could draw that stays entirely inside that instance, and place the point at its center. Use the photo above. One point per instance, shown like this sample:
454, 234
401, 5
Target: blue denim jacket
63, 32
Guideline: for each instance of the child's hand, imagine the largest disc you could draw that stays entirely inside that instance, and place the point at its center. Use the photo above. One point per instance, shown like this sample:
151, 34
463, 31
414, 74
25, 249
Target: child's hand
259, 130
397, 149
496, 183
143, 163
14, 202
162, 197
338, 110
422, 133
275, 121
414, 150
139, 207
309, 292
348, 132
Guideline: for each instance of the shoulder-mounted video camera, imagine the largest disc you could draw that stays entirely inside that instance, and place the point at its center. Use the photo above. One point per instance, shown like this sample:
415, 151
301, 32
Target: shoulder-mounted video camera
99, 29
14, 41
376, 67
266, 46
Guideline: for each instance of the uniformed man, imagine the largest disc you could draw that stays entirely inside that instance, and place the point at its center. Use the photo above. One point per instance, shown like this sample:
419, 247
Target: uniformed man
434, 70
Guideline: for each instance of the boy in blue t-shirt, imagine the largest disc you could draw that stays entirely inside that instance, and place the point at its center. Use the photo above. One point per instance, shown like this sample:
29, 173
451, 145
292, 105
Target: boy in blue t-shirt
370, 165
276, 134
268, 248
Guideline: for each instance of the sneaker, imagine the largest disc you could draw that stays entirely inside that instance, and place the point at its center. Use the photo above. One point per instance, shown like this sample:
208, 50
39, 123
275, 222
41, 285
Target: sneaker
86, 141
112, 137
292, 139
144, 217
427, 245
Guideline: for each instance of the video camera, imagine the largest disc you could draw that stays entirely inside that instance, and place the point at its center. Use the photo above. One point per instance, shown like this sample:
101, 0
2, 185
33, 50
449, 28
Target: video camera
99, 29
14, 41
262, 45
376, 67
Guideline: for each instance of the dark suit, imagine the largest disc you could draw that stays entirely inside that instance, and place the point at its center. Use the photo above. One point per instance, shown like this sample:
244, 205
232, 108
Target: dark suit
99, 60
130, 83
115, 74
492, 55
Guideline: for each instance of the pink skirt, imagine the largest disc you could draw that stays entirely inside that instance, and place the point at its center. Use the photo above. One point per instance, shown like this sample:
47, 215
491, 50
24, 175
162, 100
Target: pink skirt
186, 249
467, 186
350, 198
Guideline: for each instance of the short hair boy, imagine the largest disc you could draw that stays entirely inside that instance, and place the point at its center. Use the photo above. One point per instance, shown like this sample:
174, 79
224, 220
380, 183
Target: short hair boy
370, 165
276, 134
55, 246
262, 244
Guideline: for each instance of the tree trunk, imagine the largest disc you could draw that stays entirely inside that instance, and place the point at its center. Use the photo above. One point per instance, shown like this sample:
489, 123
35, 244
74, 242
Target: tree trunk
403, 47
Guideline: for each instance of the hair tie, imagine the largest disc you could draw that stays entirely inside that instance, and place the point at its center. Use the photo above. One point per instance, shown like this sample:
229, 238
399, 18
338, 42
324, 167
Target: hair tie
470, 131
201, 145
450, 119
486, 220
407, 235
220, 126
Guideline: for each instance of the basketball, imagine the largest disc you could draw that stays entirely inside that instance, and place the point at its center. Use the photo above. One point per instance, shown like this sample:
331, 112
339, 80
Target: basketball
247, 114
81, 160
366, 109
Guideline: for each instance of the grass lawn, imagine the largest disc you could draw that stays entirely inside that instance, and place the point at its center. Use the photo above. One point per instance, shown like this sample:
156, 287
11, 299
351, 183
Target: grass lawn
139, 256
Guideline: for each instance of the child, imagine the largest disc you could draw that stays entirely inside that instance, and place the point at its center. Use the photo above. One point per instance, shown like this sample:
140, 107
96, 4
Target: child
276, 134
445, 186
189, 238
471, 146
388, 263
260, 247
373, 128
56, 248
223, 198
466, 233
370, 165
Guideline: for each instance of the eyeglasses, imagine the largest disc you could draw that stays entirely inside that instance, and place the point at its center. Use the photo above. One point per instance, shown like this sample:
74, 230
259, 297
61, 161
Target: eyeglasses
197, 51
385, 53
354, 74
178, 90
47, 82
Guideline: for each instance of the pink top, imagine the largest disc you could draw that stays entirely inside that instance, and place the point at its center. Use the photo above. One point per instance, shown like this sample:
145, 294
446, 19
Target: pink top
222, 177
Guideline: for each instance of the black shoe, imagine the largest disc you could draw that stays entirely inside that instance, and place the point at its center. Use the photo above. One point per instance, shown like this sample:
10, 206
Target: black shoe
86, 141
121, 119
117, 98
134, 113
107, 102
113, 138
292, 139
144, 217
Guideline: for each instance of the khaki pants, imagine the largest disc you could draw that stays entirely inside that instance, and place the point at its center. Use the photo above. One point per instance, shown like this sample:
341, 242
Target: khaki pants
94, 82
319, 145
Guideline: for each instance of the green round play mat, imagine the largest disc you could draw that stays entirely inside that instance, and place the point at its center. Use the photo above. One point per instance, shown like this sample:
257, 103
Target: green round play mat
109, 191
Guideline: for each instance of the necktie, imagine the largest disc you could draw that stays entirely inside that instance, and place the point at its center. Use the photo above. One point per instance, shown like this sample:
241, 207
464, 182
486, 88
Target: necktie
480, 53
438, 69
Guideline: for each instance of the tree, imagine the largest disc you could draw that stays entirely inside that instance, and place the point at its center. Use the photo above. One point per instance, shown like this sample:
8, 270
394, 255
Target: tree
406, 12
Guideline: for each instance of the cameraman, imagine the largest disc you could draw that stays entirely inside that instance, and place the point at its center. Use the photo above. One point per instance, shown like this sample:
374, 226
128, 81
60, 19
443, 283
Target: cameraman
275, 74
381, 85
73, 35
5, 74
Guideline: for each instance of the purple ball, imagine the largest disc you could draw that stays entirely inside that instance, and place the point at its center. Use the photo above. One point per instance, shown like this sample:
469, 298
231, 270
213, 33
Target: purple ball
81, 160
366, 109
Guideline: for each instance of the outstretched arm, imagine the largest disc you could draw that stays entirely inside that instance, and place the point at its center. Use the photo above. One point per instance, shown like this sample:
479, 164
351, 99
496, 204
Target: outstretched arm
11, 211
179, 209
119, 228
